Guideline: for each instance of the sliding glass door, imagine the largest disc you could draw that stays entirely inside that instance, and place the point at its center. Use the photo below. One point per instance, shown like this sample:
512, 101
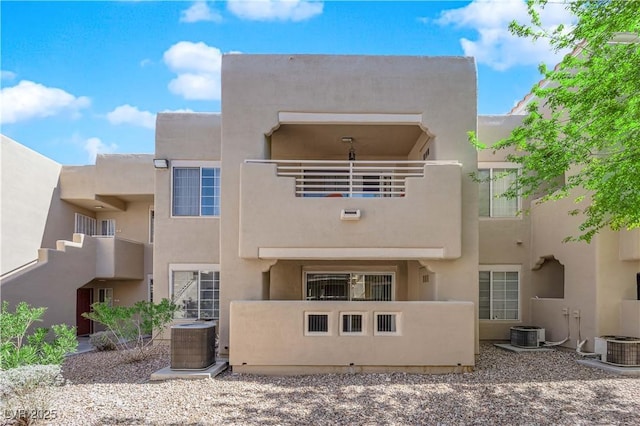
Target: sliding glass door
357, 286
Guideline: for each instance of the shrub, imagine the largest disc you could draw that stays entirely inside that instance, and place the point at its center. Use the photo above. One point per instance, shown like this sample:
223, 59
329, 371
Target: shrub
134, 327
104, 340
18, 349
26, 392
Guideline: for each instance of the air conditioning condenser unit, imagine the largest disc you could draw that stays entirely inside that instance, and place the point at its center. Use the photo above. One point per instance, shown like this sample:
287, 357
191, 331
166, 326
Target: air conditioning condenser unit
193, 345
527, 336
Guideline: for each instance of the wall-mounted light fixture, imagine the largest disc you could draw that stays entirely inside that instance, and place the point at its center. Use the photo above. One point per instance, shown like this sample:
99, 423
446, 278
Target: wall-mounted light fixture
160, 163
352, 152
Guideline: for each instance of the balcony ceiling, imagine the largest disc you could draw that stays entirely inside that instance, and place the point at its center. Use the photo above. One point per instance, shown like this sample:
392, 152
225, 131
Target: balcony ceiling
309, 141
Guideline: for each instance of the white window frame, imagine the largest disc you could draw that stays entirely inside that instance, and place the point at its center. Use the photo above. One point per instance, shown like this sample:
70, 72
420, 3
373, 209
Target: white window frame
106, 294
351, 271
195, 267
491, 166
329, 331
178, 164
365, 323
500, 268
398, 331
110, 227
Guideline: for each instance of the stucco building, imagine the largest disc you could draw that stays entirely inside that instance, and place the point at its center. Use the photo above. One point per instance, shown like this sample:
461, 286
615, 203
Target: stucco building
328, 218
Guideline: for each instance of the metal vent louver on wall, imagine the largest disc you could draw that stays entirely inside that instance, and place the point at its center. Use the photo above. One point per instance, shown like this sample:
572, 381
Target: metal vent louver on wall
193, 345
527, 336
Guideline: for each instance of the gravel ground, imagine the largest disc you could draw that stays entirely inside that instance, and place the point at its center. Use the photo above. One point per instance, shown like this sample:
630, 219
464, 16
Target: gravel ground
506, 388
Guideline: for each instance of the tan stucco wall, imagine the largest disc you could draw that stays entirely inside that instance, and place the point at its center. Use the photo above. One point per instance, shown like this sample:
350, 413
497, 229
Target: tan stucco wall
616, 281
271, 333
550, 225
124, 174
630, 244
257, 88
428, 216
504, 241
53, 281
630, 318
195, 137
35, 216
29, 184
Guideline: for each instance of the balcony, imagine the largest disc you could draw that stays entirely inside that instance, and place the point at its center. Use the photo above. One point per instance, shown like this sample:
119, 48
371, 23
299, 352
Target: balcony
117, 258
302, 336
303, 209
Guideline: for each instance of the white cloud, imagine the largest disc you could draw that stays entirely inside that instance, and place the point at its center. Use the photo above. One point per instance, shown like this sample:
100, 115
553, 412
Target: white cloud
145, 62
127, 114
196, 86
28, 100
183, 110
496, 46
7, 75
95, 146
275, 10
200, 11
198, 67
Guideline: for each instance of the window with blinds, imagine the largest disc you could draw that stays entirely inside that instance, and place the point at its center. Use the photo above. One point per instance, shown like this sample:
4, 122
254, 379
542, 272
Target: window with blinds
196, 191
493, 183
499, 295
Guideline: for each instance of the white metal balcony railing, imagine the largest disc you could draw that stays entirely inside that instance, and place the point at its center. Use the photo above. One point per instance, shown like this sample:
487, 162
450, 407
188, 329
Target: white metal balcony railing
335, 178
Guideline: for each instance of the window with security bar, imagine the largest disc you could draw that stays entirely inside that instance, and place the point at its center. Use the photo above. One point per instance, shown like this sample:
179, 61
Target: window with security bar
352, 323
317, 324
386, 323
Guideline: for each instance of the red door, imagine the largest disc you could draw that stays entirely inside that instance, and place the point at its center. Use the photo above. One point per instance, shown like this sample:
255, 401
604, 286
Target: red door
83, 304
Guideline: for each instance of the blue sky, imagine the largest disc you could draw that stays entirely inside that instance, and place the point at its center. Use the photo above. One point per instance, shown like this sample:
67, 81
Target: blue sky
80, 78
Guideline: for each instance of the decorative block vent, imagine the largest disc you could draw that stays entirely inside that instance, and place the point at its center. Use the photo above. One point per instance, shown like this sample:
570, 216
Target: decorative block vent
622, 350
527, 336
193, 346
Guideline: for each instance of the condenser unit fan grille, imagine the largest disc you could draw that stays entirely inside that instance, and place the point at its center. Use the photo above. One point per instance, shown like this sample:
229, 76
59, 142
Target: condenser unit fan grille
623, 351
193, 346
525, 336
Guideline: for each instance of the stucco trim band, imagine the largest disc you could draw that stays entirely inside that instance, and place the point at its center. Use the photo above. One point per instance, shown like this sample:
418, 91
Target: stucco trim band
350, 253
337, 118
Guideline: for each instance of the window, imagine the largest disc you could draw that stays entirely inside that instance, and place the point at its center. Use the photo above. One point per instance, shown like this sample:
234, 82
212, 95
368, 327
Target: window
317, 324
499, 293
349, 286
387, 323
105, 295
84, 225
196, 291
352, 323
493, 183
196, 191
151, 225
108, 227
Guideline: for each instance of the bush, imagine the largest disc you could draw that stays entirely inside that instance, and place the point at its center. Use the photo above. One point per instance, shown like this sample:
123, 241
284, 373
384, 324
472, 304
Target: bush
104, 340
134, 327
18, 349
26, 392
